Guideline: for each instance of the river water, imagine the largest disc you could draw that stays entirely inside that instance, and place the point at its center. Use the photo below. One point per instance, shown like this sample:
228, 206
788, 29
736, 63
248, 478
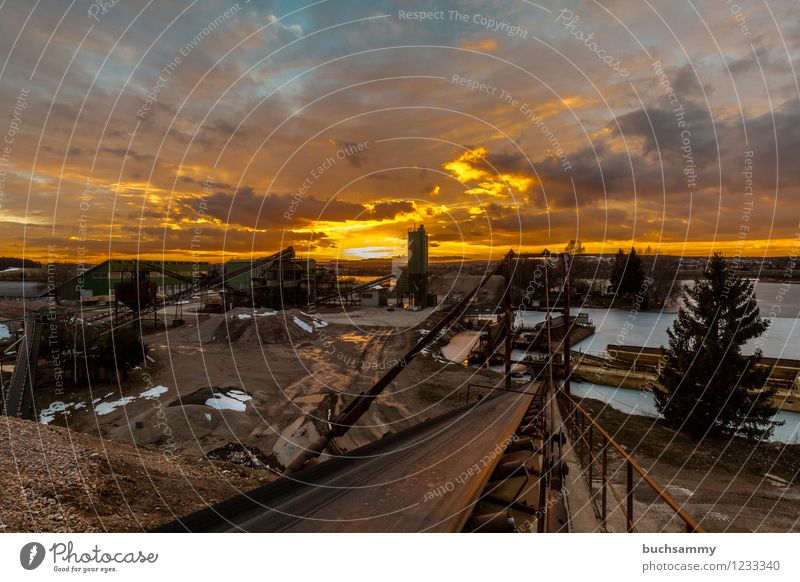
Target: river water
649, 328
642, 403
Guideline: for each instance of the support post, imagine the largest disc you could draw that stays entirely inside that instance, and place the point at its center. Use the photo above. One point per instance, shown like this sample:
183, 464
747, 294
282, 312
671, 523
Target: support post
591, 459
603, 511
567, 262
508, 326
629, 498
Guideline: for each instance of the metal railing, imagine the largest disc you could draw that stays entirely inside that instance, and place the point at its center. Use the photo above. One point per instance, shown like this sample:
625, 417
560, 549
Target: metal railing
584, 429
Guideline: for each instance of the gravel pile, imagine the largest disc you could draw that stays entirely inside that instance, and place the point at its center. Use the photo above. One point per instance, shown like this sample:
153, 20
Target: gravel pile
56, 480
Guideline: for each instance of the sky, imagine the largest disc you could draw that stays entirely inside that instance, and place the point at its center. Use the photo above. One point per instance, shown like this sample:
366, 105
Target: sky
200, 130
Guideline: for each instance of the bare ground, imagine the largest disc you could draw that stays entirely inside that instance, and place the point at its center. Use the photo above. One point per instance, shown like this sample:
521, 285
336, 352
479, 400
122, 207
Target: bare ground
286, 370
728, 485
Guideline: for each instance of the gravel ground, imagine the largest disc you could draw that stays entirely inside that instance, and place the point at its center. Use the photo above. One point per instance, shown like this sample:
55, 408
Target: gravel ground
56, 480
728, 486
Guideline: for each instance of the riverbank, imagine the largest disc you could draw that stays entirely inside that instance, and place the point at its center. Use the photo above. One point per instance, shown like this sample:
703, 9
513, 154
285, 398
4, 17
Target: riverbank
729, 485
642, 403
612, 373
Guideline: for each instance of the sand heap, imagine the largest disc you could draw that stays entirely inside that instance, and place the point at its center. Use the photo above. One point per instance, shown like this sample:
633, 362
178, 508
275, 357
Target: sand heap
54, 479
265, 326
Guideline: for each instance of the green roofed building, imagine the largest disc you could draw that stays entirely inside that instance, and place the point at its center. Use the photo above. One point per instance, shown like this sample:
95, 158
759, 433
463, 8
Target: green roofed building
98, 282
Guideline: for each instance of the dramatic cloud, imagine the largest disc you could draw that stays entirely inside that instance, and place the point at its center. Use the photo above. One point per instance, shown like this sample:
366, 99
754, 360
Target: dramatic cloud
338, 126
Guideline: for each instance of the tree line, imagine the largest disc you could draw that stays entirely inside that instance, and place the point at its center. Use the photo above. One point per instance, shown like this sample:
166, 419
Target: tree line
706, 385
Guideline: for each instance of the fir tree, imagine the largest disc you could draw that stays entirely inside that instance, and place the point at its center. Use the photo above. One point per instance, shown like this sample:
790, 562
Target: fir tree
627, 276
709, 387
618, 271
633, 281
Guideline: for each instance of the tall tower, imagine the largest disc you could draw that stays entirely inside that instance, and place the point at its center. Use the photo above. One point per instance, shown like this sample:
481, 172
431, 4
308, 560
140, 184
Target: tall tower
418, 266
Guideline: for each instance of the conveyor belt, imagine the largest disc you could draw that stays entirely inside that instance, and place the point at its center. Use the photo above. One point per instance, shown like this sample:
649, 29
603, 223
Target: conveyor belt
19, 393
420, 479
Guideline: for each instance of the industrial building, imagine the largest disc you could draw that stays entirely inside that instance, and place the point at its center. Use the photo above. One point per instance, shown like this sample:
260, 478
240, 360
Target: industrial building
376, 296
283, 283
99, 283
413, 280
287, 281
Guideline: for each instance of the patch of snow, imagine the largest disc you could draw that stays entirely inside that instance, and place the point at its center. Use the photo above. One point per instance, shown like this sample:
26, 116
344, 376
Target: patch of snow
208, 417
225, 402
109, 394
267, 313
154, 392
316, 322
678, 490
96, 400
302, 324
108, 407
239, 395
4, 333
245, 316
47, 415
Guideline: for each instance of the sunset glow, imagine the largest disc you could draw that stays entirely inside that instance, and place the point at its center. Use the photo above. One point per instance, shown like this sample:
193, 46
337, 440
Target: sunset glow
521, 140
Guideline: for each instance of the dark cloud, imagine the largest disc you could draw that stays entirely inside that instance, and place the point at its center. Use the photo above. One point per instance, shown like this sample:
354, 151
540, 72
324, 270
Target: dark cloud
387, 210
248, 209
228, 112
